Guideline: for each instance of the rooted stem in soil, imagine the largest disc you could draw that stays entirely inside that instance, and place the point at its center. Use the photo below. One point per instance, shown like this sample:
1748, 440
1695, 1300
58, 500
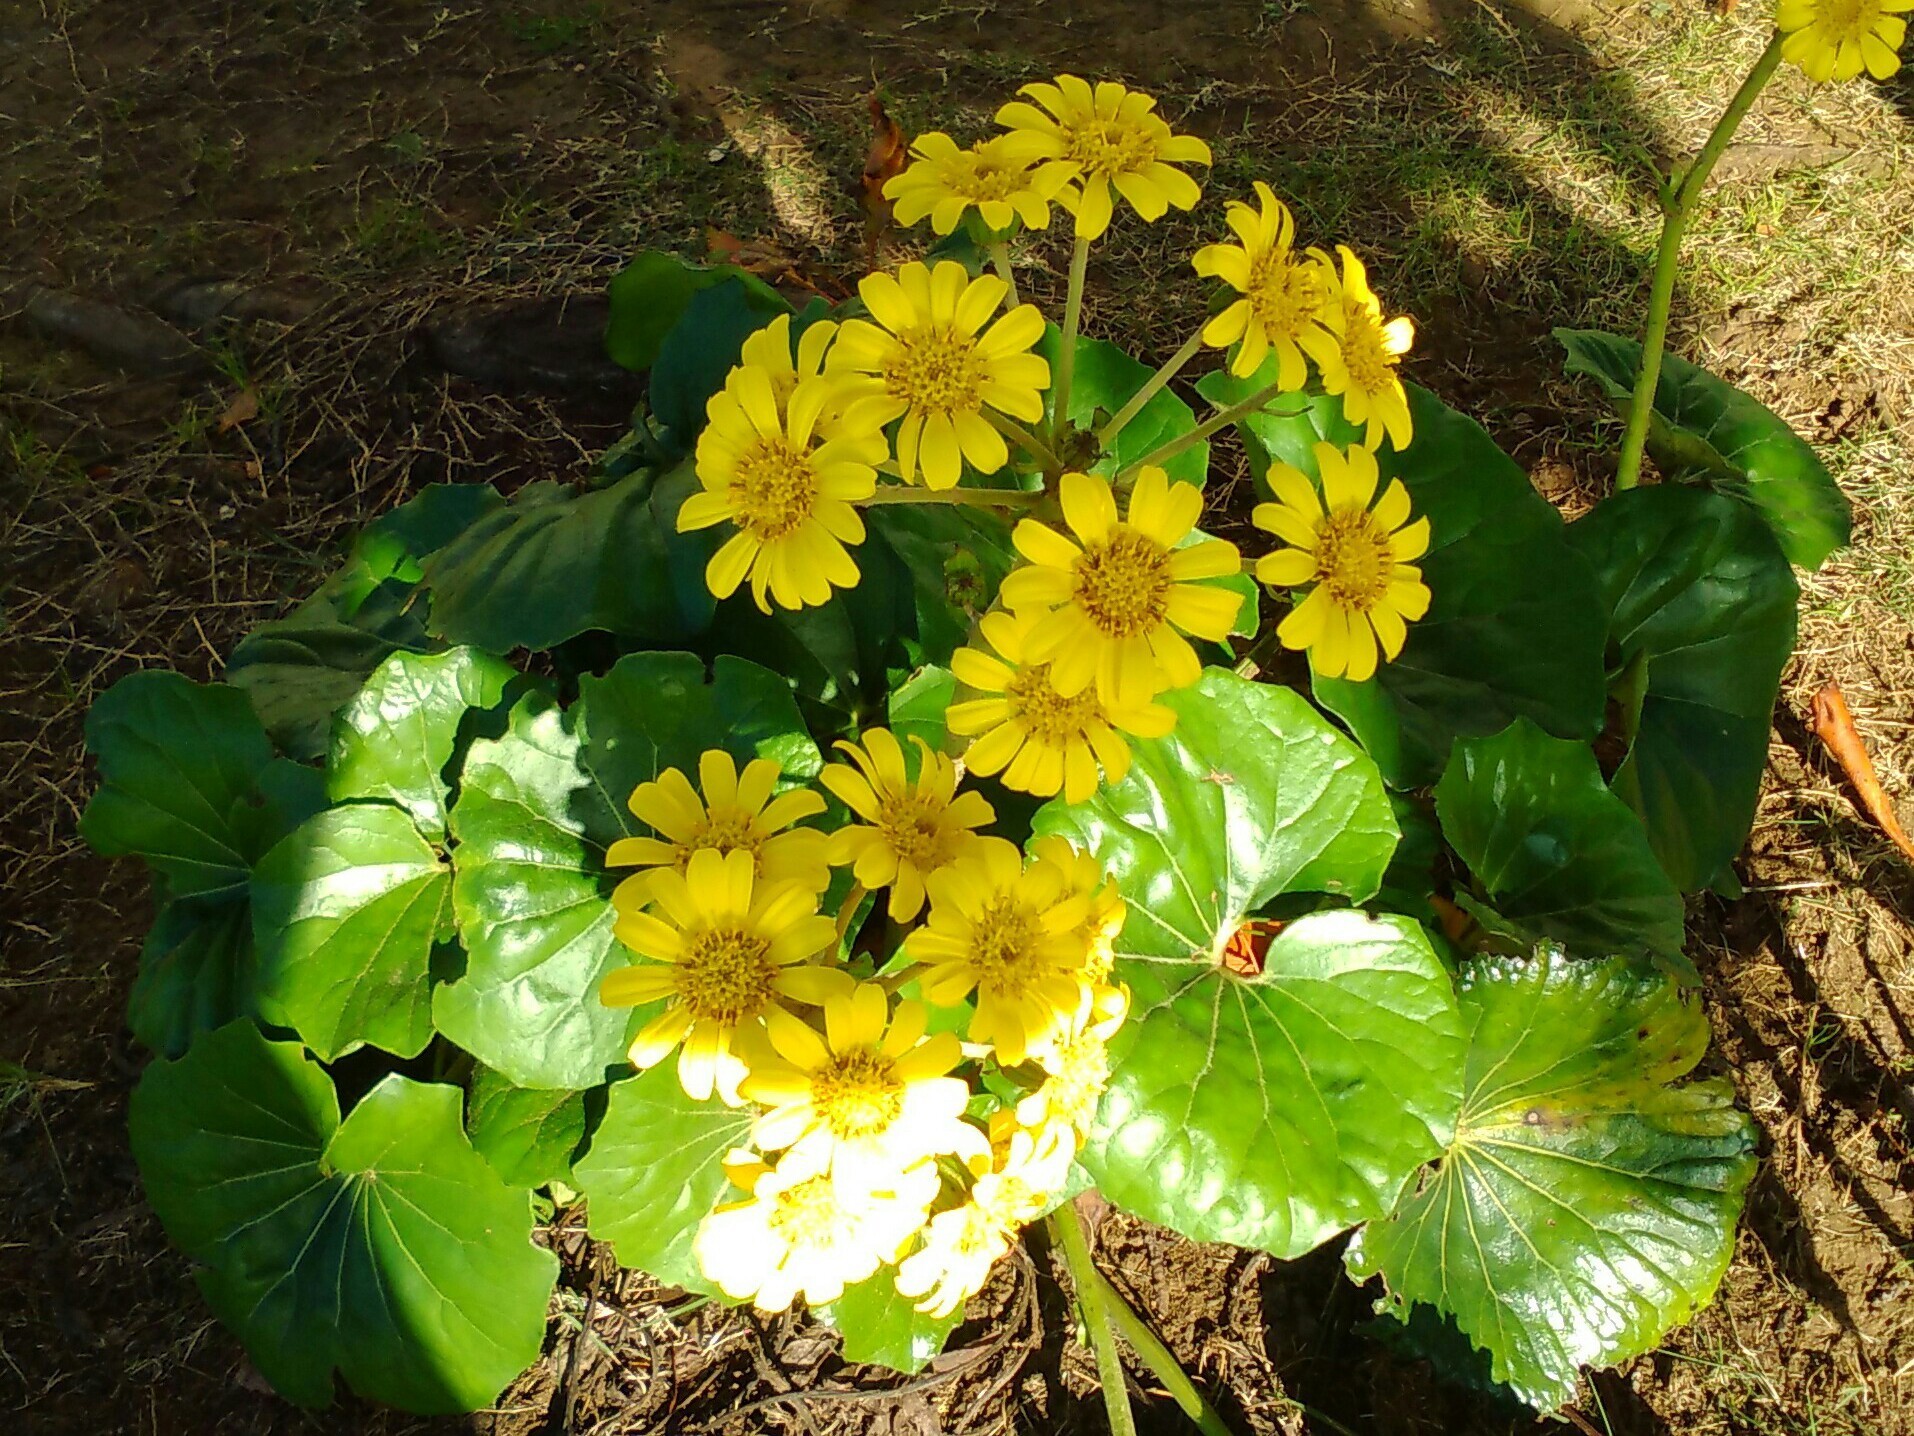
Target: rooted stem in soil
1096, 1318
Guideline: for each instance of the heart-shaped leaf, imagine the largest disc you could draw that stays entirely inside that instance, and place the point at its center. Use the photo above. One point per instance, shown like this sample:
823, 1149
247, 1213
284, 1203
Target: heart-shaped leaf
1556, 852
528, 1135
393, 740
1106, 379
383, 1246
1271, 1110
196, 973
649, 296
884, 1328
1585, 1206
1703, 429
702, 348
655, 1171
1513, 628
1702, 595
346, 911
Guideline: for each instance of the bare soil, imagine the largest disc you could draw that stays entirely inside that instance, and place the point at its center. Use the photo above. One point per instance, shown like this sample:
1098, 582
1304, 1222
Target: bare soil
379, 160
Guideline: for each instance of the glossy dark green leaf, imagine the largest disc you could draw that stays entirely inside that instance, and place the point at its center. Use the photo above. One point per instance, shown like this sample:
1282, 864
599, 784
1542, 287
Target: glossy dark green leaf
1586, 1205
393, 740
1276, 1110
702, 348
1705, 430
1700, 591
1514, 623
649, 296
176, 760
1106, 379
1555, 851
885, 1329
196, 973
527, 1134
346, 911
655, 1171
918, 705
383, 1246
394, 545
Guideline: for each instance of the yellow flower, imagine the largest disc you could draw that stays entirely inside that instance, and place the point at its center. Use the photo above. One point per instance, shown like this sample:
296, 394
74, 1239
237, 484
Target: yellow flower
910, 829
869, 1099
936, 368
799, 1234
736, 814
724, 951
1036, 738
1089, 141
1364, 369
943, 181
1076, 1064
1359, 558
768, 467
1284, 294
1083, 876
770, 349
1837, 39
1007, 931
1113, 607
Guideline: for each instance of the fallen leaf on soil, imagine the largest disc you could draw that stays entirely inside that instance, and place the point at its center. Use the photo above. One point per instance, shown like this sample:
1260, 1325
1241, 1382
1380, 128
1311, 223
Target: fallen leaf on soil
241, 409
1834, 726
884, 160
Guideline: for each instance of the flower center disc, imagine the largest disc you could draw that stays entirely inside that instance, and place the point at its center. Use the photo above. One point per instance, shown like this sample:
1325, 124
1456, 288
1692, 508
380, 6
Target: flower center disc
1362, 352
978, 178
910, 826
857, 1095
1045, 714
726, 975
1354, 559
1284, 296
936, 371
726, 830
1123, 583
775, 488
1005, 932
1106, 147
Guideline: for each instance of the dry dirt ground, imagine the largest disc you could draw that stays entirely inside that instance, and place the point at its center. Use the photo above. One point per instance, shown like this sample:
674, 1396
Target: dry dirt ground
380, 157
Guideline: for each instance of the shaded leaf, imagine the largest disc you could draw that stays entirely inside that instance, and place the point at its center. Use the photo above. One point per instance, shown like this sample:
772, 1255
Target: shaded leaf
527, 1135
649, 296
703, 347
196, 973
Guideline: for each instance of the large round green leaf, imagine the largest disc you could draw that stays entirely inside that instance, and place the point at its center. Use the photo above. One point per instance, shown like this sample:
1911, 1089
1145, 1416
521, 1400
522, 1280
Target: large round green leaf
346, 911
649, 296
1514, 622
699, 352
179, 764
1585, 1206
1700, 593
884, 1328
196, 973
1704, 429
556, 563
383, 1246
393, 740
1272, 1110
527, 1134
1556, 852
655, 1171
1106, 379
536, 810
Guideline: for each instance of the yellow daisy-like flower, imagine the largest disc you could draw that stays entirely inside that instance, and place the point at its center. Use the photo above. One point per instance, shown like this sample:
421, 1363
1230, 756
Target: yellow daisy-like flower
1363, 370
869, 1099
1083, 875
724, 951
1006, 930
1284, 293
1039, 740
768, 467
943, 181
1089, 142
934, 367
735, 814
800, 1234
1837, 39
910, 829
770, 349
1076, 1064
1360, 559
1113, 607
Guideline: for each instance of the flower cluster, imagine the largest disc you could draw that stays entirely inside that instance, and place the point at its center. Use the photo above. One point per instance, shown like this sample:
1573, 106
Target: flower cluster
877, 1142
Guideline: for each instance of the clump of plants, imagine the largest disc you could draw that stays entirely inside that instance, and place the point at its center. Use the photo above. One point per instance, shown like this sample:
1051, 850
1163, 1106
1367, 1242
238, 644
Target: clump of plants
860, 815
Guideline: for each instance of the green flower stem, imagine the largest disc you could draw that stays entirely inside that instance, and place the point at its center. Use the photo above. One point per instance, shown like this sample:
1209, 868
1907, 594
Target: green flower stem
1083, 1274
847, 913
1067, 356
1157, 1357
1000, 260
1630, 692
1680, 208
977, 498
1024, 439
1221, 419
1151, 388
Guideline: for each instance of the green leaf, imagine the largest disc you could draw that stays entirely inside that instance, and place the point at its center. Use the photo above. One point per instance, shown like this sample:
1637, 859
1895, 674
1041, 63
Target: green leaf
557, 563
1705, 430
393, 545
881, 1327
527, 1135
179, 761
393, 740
535, 812
1585, 1206
649, 296
701, 350
918, 705
655, 1171
1555, 851
383, 1246
1105, 380
1514, 626
1277, 1110
196, 973
346, 911
1410, 879
1698, 589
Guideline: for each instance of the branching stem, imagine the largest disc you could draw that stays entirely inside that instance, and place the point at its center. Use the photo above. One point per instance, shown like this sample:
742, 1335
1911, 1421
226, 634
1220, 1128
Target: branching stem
1151, 388
1221, 419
